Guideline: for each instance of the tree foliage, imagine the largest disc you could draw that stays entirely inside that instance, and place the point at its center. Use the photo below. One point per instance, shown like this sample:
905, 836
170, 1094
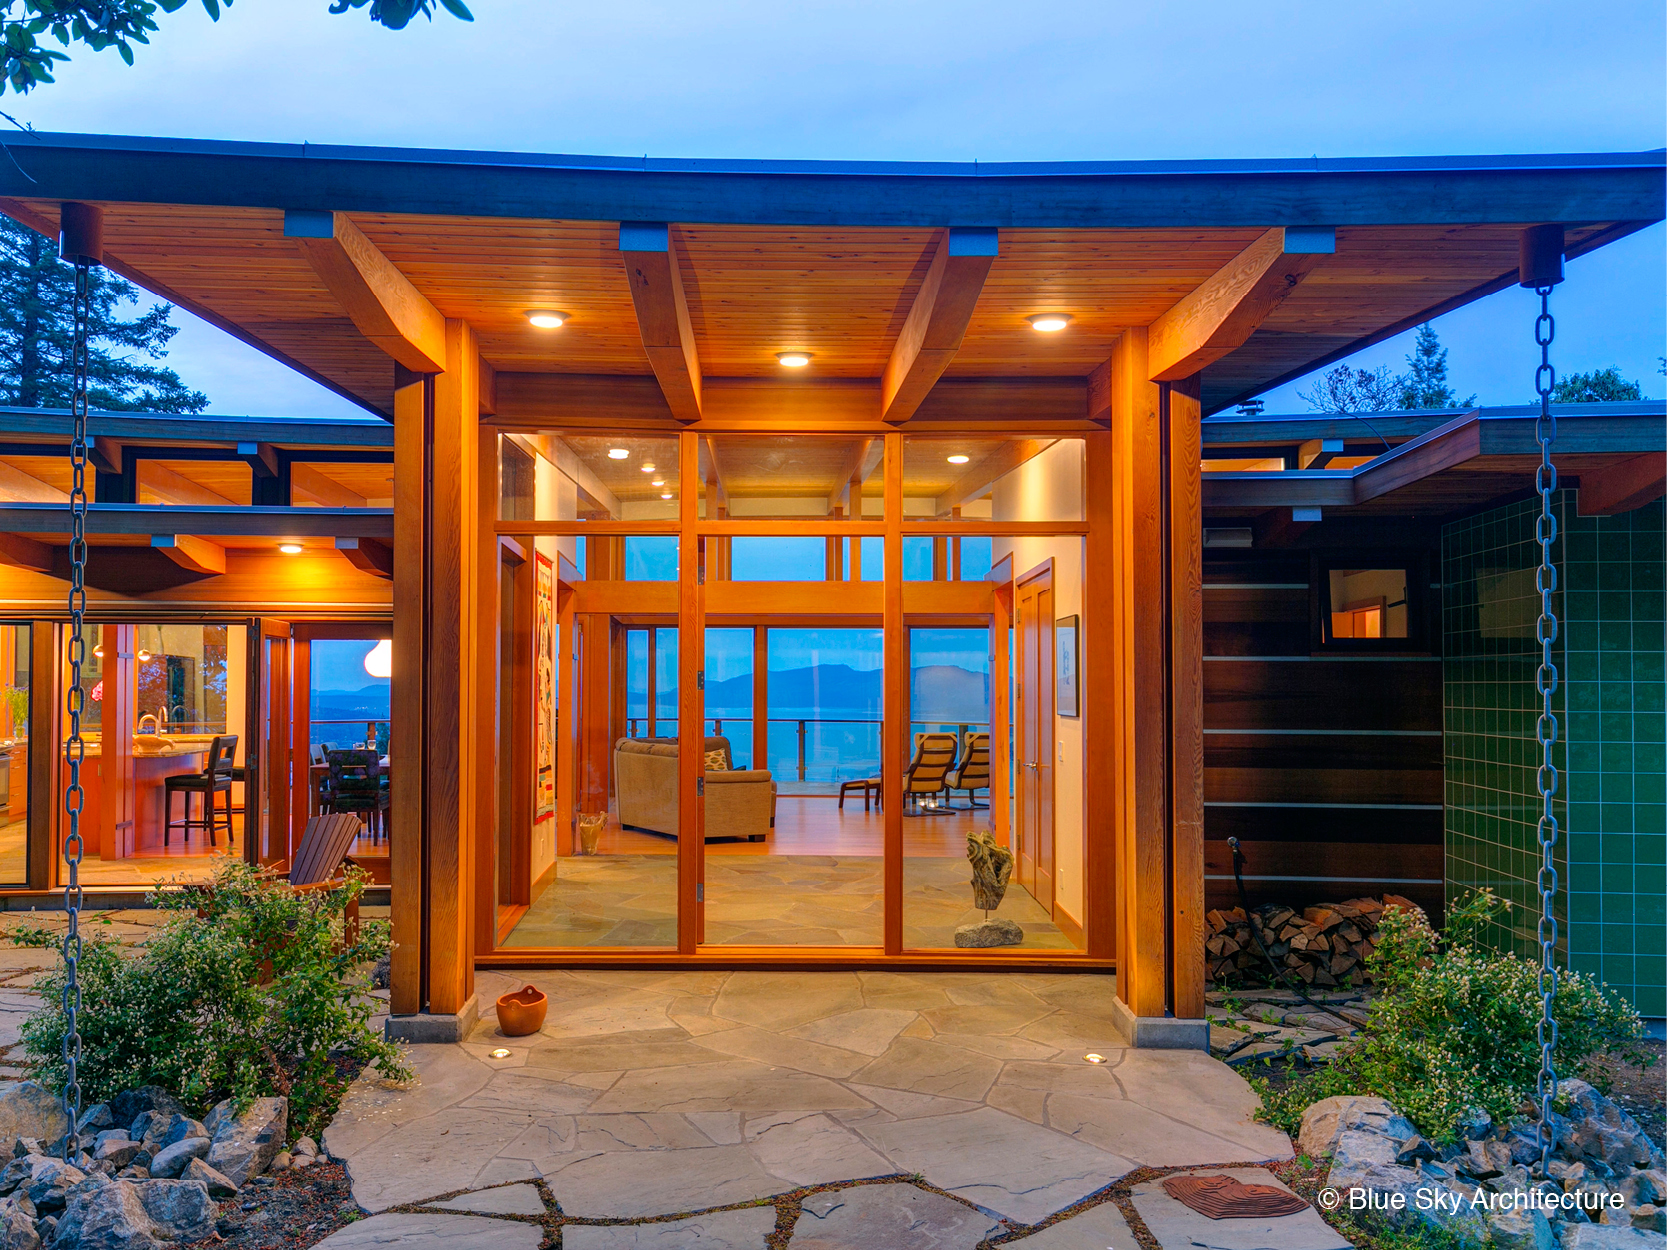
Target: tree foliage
1424, 384
1598, 386
119, 24
37, 328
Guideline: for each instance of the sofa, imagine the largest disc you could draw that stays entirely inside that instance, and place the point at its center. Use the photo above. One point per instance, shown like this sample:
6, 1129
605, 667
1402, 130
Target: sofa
740, 803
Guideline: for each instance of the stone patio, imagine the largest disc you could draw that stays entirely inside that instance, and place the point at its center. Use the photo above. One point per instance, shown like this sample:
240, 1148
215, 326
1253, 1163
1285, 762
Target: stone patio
651, 1095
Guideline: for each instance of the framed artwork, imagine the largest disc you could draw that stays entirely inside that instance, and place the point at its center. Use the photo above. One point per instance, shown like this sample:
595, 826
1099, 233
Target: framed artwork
1067, 666
544, 688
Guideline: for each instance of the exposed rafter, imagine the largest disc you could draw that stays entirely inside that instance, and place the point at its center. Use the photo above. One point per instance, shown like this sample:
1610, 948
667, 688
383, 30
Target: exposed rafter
175, 488
194, 554
368, 555
864, 457
717, 493
308, 486
652, 263
25, 553
1624, 486
379, 299
1223, 313
16, 486
937, 320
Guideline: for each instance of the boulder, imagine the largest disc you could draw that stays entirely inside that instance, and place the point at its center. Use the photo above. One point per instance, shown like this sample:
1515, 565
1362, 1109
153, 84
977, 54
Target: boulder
170, 1161
178, 1128
17, 1171
1650, 1218
95, 1119
50, 1181
306, 1146
1521, 1230
27, 1146
127, 1107
1365, 1160
106, 1215
1327, 1120
245, 1145
1475, 1124
996, 931
1608, 1237
219, 1185
18, 1229
118, 1152
182, 1209
29, 1109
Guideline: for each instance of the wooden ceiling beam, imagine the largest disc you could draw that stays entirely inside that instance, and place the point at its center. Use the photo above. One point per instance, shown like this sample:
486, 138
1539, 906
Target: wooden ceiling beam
174, 488
368, 555
25, 553
937, 320
859, 462
16, 486
194, 554
308, 486
376, 296
1222, 314
558, 452
717, 491
987, 472
1622, 486
652, 254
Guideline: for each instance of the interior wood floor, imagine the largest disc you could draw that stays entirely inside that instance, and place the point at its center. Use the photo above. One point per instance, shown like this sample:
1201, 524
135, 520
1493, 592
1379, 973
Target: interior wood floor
816, 826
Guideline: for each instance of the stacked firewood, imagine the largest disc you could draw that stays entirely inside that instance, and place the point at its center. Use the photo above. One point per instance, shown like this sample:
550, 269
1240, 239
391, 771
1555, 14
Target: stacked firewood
1320, 946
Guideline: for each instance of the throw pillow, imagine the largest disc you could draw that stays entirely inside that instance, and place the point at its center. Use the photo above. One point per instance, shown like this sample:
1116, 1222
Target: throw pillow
715, 761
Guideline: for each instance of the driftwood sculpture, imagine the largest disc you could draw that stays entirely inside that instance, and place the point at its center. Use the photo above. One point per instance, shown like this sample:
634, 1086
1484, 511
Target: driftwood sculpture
992, 867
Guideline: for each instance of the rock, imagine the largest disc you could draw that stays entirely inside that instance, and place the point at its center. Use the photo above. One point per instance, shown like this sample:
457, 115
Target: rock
112, 1134
27, 1146
1608, 1237
245, 1145
306, 1146
118, 1152
1365, 1160
1521, 1230
170, 1161
29, 1109
992, 866
180, 1127
182, 1209
281, 1161
133, 1172
50, 1181
303, 1161
17, 1171
996, 931
19, 1231
1650, 1218
889, 1215
1327, 1120
107, 1216
219, 1185
1412, 1150
1475, 1124
127, 1107
96, 1118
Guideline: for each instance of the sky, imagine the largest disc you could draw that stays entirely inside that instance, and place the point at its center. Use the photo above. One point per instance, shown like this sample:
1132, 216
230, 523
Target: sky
932, 79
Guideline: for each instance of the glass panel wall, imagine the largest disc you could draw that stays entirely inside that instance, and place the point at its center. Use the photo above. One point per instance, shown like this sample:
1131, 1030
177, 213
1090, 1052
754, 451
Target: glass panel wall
587, 477
993, 478
802, 476
14, 754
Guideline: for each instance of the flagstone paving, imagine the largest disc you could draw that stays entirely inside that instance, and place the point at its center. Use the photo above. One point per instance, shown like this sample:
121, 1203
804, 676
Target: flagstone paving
667, 1094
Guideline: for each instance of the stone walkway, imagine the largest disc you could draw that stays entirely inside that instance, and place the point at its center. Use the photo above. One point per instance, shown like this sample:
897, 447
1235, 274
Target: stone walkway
653, 1095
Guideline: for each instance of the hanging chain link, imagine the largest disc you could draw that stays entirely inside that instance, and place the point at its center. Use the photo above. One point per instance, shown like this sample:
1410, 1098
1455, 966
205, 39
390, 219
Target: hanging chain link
1545, 731
75, 751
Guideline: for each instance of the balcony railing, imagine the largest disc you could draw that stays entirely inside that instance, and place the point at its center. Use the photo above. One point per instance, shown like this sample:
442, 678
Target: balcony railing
804, 728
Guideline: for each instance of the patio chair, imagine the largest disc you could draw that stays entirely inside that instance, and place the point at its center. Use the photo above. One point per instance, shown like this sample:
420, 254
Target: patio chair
357, 785
973, 772
216, 778
933, 758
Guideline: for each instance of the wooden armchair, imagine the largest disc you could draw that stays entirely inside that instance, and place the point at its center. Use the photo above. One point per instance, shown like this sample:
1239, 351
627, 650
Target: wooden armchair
972, 774
934, 757
319, 858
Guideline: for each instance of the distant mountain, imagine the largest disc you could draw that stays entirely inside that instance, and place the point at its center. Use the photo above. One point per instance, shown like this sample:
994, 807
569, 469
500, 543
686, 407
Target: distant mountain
950, 694
939, 692
368, 701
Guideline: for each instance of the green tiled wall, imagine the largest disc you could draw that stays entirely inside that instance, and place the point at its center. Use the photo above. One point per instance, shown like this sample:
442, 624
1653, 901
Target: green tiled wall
1612, 869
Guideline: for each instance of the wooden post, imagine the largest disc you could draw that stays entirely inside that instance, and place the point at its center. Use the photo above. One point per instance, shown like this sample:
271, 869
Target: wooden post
691, 759
1102, 708
896, 670
408, 694
46, 752
116, 796
484, 723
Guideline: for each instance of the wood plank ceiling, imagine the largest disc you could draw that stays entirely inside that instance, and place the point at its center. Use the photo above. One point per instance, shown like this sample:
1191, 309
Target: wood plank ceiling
752, 291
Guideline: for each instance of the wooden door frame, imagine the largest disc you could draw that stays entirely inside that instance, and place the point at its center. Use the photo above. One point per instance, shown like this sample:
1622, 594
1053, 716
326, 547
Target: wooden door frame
267, 789
1041, 577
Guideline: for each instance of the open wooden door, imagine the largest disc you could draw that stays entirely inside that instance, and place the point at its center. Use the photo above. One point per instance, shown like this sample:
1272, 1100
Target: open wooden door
269, 767
1034, 726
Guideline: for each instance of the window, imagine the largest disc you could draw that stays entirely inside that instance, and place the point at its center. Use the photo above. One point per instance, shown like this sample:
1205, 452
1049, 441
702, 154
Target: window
1368, 605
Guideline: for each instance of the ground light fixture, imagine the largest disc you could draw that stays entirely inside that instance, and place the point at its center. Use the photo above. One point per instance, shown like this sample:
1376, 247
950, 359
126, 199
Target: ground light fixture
1092, 1057
290, 549
499, 1053
618, 453
1049, 323
546, 318
958, 458
793, 360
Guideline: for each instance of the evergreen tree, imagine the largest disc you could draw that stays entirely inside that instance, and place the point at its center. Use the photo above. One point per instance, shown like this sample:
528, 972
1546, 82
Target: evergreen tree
1424, 384
1595, 387
37, 329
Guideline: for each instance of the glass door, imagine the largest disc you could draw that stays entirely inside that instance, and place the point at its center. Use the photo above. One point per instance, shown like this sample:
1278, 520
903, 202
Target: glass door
267, 791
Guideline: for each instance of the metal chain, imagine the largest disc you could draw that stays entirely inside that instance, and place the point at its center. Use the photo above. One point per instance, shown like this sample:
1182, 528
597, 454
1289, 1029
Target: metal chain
1545, 730
75, 750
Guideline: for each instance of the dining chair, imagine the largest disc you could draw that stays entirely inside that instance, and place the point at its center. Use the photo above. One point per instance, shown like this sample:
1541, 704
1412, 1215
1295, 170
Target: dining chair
216, 778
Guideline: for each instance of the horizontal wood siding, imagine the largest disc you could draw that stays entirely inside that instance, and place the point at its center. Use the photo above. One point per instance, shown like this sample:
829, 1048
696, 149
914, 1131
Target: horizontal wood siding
1328, 769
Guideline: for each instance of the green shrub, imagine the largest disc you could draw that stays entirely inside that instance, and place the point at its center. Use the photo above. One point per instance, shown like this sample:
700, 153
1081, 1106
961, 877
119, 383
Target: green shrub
1455, 1027
251, 990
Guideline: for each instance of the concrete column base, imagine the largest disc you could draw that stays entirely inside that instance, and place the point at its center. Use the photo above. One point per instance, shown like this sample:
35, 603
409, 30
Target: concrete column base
426, 1027
1160, 1032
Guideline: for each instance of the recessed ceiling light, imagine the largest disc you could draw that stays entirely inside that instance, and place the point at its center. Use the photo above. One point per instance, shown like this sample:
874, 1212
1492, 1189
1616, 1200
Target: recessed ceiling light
793, 360
959, 459
290, 549
1049, 323
666, 495
618, 453
648, 468
659, 481
546, 318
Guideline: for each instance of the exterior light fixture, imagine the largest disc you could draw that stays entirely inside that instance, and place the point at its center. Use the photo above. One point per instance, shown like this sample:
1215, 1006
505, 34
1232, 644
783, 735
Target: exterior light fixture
500, 1053
793, 360
959, 459
99, 651
142, 656
290, 549
1091, 1057
618, 453
1049, 323
546, 318
379, 660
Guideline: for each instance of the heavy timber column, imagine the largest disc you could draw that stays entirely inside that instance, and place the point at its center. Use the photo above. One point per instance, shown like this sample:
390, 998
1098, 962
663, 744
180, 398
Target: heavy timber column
436, 630
1156, 772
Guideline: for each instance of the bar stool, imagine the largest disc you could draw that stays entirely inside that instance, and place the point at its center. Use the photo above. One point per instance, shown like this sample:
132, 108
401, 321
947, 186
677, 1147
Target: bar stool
216, 778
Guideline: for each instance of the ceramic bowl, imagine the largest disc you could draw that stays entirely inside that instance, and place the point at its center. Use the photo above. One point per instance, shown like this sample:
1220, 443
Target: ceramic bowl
522, 1011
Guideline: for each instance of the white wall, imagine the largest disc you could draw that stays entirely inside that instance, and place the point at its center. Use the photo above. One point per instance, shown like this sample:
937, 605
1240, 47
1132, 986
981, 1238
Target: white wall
1049, 487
